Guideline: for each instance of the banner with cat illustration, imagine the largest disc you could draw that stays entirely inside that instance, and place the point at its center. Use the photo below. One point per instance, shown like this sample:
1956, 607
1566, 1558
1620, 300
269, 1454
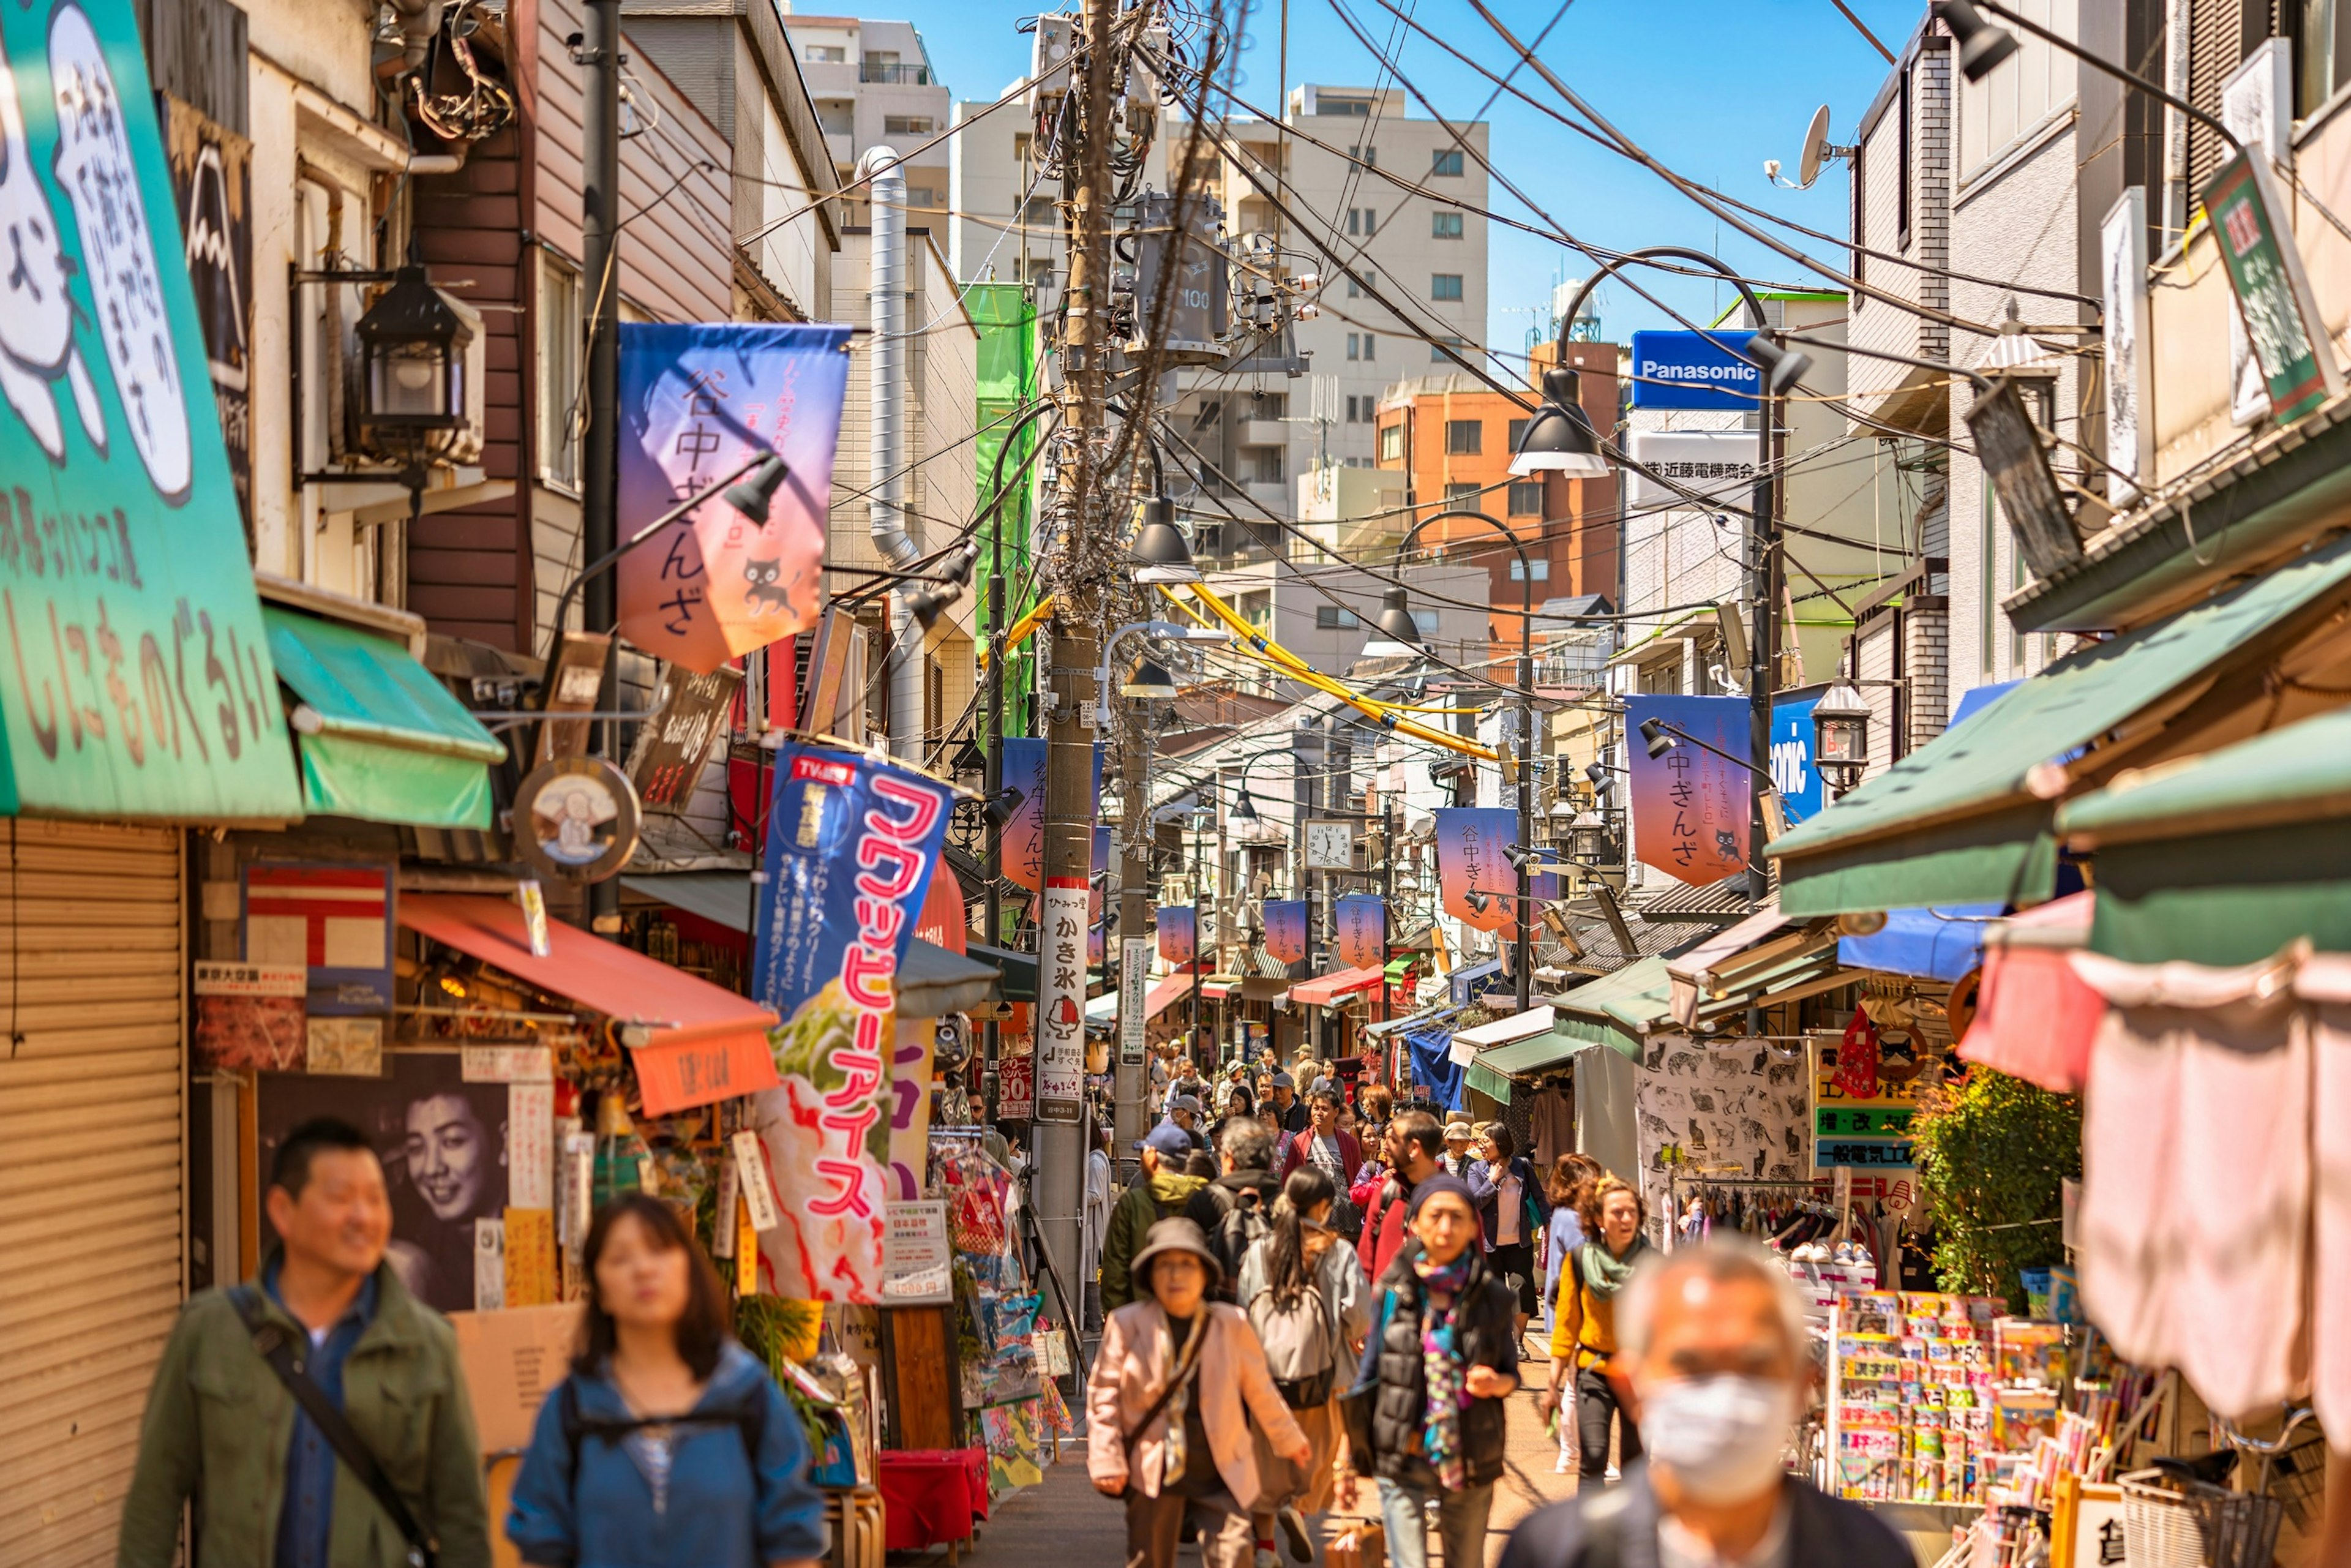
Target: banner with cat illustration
695, 401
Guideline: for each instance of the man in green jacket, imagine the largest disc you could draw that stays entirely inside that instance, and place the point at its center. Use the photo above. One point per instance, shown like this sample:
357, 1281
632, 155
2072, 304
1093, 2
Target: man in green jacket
1160, 1194
222, 1430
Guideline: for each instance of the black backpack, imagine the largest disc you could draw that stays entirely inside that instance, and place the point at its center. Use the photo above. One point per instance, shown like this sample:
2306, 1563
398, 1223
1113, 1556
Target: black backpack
749, 1420
1244, 1224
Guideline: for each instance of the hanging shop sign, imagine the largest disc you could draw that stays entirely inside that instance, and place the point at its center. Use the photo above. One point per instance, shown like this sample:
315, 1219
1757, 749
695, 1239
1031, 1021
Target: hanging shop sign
1691, 809
1863, 1097
334, 921
2122, 260
1176, 922
690, 712
1362, 924
918, 1255
576, 820
1285, 929
138, 678
2257, 247
918, 1042
1469, 861
1330, 846
1695, 370
1060, 1071
573, 681
1795, 773
852, 843
1133, 997
696, 401
1681, 464
212, 177
1024, 832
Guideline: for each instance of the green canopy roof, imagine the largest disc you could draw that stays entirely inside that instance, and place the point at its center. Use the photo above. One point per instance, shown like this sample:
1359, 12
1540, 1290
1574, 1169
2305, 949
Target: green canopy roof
1618, 1010
1494, 1068
1957, 822
381, 738
2225, 858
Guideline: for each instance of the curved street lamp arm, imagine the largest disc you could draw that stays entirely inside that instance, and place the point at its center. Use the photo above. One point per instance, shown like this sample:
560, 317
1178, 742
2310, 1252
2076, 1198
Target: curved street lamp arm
1653, 253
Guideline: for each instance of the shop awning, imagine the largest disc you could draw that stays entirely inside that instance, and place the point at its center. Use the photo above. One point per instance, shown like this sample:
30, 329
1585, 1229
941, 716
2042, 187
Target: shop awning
721, 898
1618, 1009
704, 1043
1509, 1047
1463, 983
1969, 817
1414, 1020
380, 738
1325, 990
2225, 859
2034, 1017
1766, 956
1103, 1008
1018, 969
1941, 942
1174, 988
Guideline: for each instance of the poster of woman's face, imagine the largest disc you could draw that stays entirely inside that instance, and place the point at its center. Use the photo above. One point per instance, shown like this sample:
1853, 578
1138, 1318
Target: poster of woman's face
442, 1144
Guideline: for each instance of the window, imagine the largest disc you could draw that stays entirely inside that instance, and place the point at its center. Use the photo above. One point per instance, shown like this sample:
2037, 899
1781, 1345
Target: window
1362, 220
1526, 497
1368, 156
1333, 618
1538, 568
1447, 160
1437, 347
908, 125
1427, 622
1360, 108
1465, 437
561, 339
1902, 170
1359, 281
1265, 465
1390, 441
1444, 226
2322, 53
825, 55
837, 115
1355, 345
925, 199
1370, 343
1464, 494
1518, 434
1445, 286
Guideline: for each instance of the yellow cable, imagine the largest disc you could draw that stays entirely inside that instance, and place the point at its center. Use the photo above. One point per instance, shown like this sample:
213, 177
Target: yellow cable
1022, 628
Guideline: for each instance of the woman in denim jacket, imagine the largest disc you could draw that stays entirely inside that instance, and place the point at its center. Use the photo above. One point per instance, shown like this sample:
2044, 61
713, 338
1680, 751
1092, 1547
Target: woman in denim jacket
668, 1446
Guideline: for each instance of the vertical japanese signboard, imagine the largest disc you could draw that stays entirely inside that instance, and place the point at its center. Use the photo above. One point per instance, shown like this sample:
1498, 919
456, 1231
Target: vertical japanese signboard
1285, 929
1469, 860
690, 712
1024, 831
1175, 925
1363, 930
851, 846
137, 681
2249, 214
1133, 995
2122, 262
1692, 810
695, 401
1060, 1073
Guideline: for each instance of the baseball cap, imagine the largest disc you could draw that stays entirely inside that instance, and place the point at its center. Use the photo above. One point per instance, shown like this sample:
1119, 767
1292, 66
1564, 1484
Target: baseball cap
1283, 1080
1171, 1140
1185, 1102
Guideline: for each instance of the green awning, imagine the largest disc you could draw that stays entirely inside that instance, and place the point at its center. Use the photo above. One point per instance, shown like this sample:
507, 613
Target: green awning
1492, 1072
1618, 1010
380, 738
1957, 822
2226, 858
1397, 970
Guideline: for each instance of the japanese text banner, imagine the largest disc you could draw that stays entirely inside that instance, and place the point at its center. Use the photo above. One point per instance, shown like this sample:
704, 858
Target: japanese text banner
137, 680
1175, 933
851, 846
1363, 930
695, 401
1285, 929
1469, 859
1690, 808
1024, 831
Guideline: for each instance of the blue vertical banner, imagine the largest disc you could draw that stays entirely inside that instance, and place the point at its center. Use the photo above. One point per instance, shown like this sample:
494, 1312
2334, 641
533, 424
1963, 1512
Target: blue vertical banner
1363, 930
1795, 772
1285, 929
851, 846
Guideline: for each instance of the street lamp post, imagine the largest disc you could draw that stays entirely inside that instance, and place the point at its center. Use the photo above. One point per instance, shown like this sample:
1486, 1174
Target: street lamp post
1526, 690
1763, 556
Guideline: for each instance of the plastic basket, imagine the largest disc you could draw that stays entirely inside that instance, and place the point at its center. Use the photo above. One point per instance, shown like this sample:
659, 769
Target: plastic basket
2159, 1529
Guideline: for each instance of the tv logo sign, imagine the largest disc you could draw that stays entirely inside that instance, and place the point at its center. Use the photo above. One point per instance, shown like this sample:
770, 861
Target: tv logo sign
1694, 369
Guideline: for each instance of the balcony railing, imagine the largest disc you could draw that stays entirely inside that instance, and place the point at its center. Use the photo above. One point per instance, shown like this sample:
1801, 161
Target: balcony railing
900, 76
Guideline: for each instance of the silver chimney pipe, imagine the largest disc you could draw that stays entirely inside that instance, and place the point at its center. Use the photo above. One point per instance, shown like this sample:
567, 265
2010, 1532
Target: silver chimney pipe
885, 506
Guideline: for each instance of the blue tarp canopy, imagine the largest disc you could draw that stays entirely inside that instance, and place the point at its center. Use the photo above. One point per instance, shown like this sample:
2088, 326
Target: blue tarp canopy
1466, 981
1432, 1067
1939, 944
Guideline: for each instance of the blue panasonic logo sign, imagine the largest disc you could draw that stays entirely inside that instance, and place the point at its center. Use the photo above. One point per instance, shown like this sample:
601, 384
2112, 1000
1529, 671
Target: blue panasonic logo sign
1694, 369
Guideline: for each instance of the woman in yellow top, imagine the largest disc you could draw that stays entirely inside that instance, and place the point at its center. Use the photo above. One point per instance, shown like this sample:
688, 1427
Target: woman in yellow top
1583, 1327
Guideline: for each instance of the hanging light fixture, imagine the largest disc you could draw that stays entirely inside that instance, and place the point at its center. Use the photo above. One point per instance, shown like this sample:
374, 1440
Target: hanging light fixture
1981, 44
1398, 633
1841, 735
754, 493
1244, 809
1782, 367
1150, 680
1160, 553
1560, 439
1654, 738
1587, 837
412, 368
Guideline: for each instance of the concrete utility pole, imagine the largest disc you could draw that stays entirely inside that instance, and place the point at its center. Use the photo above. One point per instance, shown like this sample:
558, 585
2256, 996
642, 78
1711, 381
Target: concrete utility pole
600, 480
1070, 806
1132, 1080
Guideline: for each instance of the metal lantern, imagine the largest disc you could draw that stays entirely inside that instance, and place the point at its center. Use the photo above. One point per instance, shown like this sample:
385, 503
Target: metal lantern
1841, 735
1587, 838
413, 364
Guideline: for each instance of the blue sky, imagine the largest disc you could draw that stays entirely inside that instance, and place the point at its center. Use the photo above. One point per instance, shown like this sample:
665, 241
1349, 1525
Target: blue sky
1712, 88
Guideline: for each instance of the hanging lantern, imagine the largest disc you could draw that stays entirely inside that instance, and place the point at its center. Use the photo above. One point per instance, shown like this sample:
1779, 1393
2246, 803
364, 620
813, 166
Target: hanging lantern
1841, 735
412, 366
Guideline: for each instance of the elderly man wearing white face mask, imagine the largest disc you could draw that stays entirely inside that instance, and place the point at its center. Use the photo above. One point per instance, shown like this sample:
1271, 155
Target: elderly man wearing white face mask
1713, 1355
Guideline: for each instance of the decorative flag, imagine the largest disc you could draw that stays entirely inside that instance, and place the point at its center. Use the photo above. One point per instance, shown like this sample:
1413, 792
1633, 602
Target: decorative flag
1691, 809
1175, 933
1363, 930
1024, 832
853, 842
695, 402
1285, 929
1469, 859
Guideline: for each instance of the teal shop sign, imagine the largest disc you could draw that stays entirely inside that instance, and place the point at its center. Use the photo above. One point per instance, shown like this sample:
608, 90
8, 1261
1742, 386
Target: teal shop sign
2280, 315
135, 680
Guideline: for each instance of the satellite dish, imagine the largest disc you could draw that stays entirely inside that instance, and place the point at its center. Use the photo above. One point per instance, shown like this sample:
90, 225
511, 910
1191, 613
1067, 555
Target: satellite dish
1816, 142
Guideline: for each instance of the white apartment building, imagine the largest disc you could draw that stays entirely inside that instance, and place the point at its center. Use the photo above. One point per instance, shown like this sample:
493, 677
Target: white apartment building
874, 85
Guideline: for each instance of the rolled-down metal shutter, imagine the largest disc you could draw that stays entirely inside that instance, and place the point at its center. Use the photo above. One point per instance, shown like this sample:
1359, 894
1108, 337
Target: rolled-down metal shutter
91, 1136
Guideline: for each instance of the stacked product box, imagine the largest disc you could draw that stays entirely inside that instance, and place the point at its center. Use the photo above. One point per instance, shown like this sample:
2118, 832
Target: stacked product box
1917, 1380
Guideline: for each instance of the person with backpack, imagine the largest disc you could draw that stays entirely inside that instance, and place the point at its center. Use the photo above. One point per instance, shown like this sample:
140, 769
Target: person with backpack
1161, 1192
1307, 1297
1235, 1211
1170, 1401
668, 1446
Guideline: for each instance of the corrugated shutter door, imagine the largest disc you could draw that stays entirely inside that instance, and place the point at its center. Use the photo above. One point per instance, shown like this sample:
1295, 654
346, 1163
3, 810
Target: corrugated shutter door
2216, 45
91, 1089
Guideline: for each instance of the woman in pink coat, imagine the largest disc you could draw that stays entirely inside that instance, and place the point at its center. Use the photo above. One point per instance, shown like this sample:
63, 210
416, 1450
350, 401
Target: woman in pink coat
1176, 1379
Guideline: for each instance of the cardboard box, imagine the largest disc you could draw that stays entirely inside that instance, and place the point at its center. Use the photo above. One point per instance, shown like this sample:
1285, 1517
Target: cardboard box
513, 1359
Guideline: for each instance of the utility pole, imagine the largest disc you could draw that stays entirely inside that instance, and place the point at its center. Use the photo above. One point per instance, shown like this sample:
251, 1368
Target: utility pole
1764, 595
1059, 1182
600, 481
1129, 1080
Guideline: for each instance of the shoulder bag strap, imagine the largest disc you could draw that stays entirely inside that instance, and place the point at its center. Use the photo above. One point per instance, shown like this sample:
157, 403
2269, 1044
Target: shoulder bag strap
275, 1347
1182, 1375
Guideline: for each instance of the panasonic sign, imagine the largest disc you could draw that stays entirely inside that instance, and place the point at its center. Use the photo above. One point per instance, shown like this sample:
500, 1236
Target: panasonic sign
1694, 369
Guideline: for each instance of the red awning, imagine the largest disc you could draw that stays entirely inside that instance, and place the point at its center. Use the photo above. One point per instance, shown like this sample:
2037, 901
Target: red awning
706, 1044
1324, 989
2034, 1017
1175, 987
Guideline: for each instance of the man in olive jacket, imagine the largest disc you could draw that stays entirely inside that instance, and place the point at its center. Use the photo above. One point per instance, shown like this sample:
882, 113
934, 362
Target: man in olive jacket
222, 1430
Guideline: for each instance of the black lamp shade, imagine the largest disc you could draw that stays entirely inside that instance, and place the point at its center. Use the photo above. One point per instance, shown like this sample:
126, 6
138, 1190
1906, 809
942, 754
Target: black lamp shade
1559, 438
1982, 45
412, 357
1244, 810
1160, 553
1653, 737
1150, 680
1394, 622
1782, 367
754, 493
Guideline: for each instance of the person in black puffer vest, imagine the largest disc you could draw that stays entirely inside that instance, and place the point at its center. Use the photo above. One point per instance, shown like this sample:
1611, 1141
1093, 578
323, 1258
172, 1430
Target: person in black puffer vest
1442, 1323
